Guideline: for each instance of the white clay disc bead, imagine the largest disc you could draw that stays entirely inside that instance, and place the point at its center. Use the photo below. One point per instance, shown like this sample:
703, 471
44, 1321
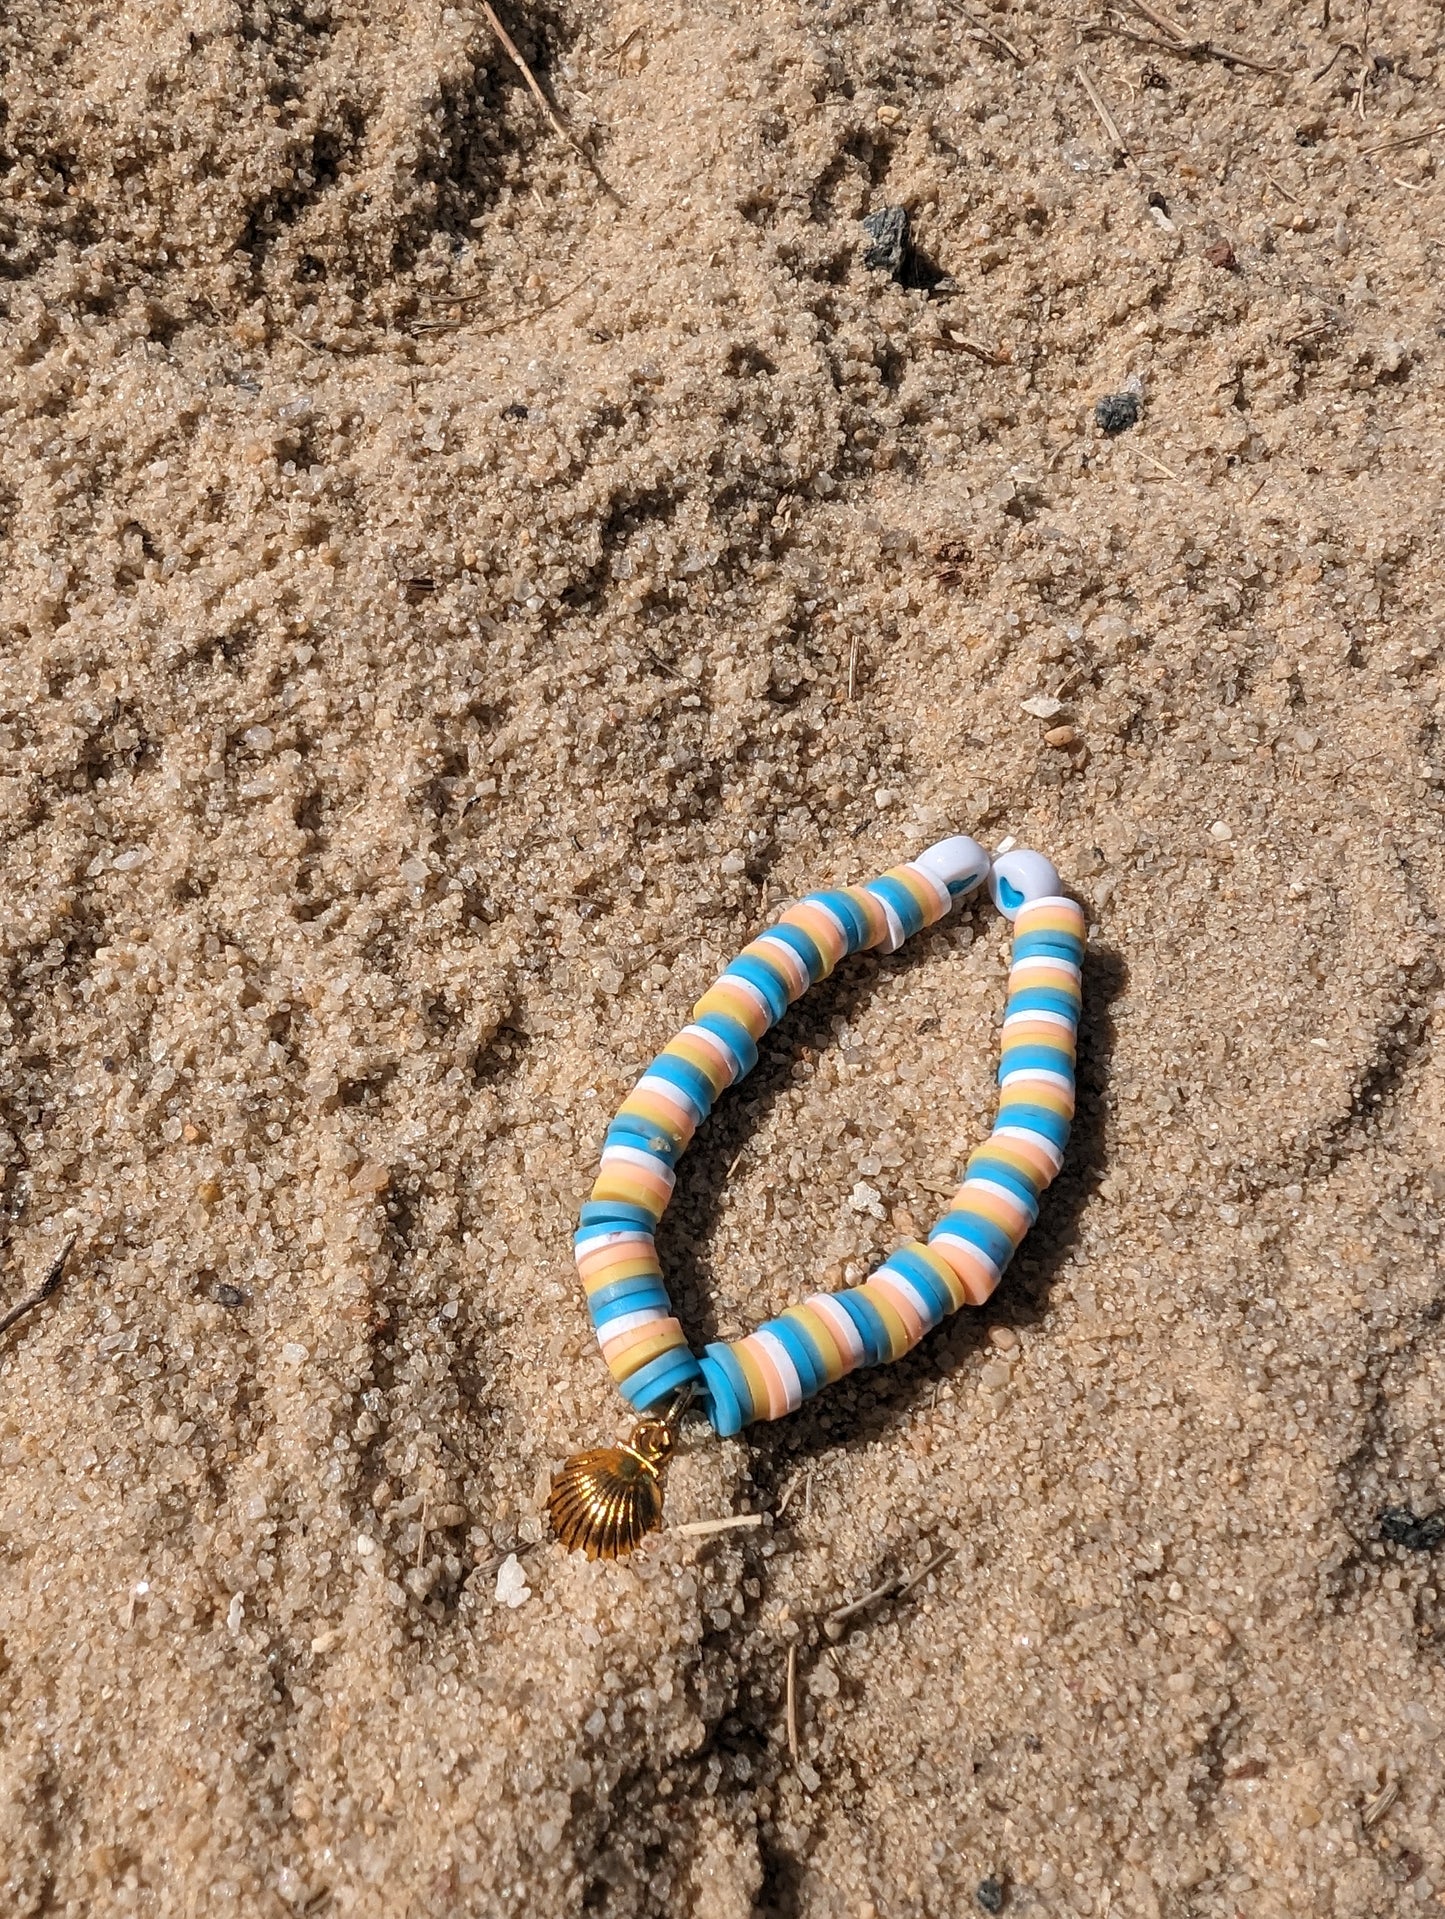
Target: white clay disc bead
1019, 877
958, 864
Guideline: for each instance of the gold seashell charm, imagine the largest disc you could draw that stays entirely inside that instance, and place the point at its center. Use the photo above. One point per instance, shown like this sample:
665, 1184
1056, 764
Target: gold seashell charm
606, 1501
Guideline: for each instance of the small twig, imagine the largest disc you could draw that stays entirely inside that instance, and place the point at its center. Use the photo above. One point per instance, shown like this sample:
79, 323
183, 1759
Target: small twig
919, 1577
1097, 101
616, 53
1167, 471
994, 39
853, 667
1343, 46
1367, 65
895, 1588
464, 299
487, 333
1182, 49
953, 342
735, 1523
981, 30
662, 665
49, 1285
1309, 333
510, 47
1381, 1803
1165, 25
1283, 191
421, 1531
1403, 140
554, 119
835, 1621
792, 1702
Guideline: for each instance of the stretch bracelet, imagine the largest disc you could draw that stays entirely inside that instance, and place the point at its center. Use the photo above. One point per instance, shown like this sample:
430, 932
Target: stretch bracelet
604, 1501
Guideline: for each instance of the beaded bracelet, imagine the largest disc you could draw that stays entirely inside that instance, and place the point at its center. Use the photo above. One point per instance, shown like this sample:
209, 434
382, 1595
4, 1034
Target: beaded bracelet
604, 1501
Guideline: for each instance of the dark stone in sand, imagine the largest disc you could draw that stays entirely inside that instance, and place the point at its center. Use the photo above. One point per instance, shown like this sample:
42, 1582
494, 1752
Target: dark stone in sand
1400, 1527
1117, 412
888, 231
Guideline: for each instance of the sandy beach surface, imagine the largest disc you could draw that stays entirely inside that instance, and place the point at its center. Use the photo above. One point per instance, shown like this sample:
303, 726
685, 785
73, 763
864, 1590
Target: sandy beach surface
455, 582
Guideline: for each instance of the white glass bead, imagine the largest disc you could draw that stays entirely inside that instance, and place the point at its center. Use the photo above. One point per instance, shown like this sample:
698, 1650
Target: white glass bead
958, 864
1021, 876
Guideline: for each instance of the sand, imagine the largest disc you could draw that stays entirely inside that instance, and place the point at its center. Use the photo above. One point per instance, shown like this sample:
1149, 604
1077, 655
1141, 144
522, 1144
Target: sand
453, 590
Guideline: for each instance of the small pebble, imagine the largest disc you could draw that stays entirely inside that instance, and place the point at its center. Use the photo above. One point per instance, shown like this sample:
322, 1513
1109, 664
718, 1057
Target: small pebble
292, 1887
512, 1587
1004, 1337
1117, 412
1060, 736
823, 1683
1042, 706
1221, 255
1221, 830
230, 1296
990, 1895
